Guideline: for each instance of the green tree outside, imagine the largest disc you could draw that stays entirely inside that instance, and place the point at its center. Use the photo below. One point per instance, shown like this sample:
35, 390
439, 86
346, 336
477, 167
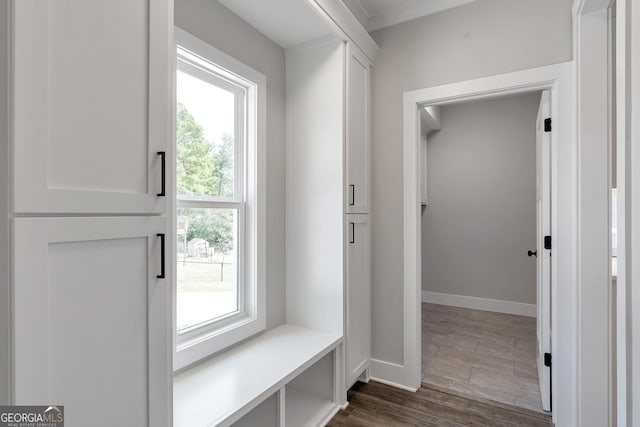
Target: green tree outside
204, 169
194, 165
223, 166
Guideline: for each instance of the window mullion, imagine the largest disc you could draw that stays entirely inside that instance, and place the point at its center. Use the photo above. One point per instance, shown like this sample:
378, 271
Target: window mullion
206, 204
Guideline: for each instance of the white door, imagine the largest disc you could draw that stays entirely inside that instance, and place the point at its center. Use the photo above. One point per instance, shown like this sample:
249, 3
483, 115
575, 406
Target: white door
358, 316
92, 321
543, 260
358, 132
91, 105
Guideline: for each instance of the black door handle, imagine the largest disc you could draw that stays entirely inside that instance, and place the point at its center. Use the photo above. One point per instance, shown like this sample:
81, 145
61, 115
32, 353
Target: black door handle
161, 275
353, 232
162, 192
533, 253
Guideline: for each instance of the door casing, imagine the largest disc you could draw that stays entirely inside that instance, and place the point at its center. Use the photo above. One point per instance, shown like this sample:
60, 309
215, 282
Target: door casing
558, 79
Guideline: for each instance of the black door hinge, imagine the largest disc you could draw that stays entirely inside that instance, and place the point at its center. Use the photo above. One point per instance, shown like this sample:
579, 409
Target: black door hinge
547, 359
547, 242
547, 124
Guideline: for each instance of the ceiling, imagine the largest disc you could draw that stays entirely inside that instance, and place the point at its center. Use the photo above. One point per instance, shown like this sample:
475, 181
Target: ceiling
376, 14
268, 18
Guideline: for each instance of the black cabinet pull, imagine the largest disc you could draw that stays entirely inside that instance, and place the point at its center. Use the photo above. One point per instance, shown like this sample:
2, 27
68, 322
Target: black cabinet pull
353, 233
164, 174
533, 253
161, 275
353, 194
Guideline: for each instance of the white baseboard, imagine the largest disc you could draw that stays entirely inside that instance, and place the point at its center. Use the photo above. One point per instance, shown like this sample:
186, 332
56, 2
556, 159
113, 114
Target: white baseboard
336, 408
496, 305
389, 374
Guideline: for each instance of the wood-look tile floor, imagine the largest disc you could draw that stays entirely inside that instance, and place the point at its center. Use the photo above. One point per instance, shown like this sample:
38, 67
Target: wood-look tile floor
481, 354
378, 405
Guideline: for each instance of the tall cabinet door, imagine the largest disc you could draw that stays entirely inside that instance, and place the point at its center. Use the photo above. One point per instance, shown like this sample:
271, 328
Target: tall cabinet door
358, 131
358, 313
91, 105
92, 325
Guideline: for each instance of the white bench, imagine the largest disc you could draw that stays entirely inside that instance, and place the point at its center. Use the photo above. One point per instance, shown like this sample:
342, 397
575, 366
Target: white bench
286, 374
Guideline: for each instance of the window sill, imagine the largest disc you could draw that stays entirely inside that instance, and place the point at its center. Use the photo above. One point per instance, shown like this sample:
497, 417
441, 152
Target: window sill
201, 347
223, 389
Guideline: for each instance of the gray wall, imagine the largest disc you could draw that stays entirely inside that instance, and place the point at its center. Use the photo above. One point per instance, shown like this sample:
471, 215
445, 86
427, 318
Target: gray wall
481, 216
215, 24
476, 40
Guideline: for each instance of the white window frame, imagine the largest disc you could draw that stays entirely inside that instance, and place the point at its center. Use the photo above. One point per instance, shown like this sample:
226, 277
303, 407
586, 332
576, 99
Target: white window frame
215, 66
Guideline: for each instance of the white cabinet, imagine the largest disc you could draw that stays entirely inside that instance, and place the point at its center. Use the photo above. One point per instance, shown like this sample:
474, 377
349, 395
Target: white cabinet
328, 198
321, 224
358, 283
91, 326
358, 301
358, 72
91, 105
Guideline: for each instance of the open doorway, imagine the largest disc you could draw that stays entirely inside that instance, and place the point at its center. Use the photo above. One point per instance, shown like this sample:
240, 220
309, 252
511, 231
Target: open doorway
563, 310
485, 188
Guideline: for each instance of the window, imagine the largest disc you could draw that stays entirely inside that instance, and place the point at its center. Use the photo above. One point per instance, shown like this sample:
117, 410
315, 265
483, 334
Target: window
219, 215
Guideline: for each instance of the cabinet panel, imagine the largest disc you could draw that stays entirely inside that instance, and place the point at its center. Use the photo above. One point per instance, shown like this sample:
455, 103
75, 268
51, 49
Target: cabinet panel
358, 131
358, 313
91, 102
92, 324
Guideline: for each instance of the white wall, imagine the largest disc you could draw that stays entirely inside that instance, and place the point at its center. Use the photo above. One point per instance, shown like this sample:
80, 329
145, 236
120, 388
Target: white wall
314, 152
480, 39
481, 216
4, 209
215, 24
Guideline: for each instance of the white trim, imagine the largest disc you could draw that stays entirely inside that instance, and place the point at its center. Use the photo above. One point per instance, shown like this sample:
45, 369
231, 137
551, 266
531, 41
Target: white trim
332, 413
359, 12
431, 119
495, 305
558, 79
593, 124
389, 374
633, 201
627, 41
622, 349
344, 21
252, 229
631, 160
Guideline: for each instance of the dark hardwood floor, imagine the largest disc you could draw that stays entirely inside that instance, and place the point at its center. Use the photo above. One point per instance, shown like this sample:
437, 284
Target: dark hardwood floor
376, 404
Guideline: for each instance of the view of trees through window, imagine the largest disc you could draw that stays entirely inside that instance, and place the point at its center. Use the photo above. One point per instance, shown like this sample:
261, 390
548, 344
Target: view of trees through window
206, 240
202, 168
